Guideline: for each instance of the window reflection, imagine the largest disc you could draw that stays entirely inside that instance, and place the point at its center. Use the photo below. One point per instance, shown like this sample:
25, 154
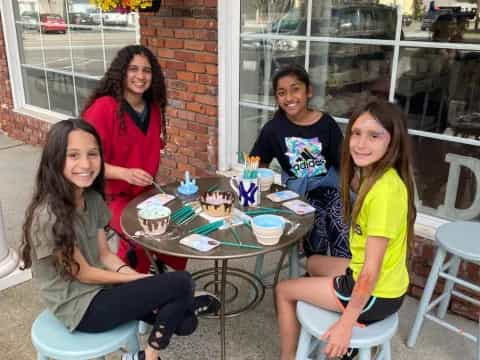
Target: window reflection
441, 21
343, 74
439, 90
352, 19
258, 61
67, 39
279, 16
342, 19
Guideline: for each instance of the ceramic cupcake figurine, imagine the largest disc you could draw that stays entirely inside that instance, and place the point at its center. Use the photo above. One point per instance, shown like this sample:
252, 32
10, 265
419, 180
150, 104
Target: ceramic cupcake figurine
217, 203
154, 219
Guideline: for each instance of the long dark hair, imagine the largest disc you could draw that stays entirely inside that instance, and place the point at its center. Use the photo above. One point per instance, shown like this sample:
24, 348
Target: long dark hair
112, 83
54, 193
289, 70
397, 156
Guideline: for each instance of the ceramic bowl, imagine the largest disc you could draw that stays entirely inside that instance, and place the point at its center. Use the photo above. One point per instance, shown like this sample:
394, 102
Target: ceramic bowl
154, 219
217, 203
265, 179
268, 228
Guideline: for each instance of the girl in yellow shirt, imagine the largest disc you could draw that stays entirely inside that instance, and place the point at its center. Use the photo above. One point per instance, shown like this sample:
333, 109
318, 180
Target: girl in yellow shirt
370, 286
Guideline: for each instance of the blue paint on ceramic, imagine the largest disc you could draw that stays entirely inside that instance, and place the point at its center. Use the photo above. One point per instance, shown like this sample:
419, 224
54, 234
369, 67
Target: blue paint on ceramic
263, 172
268, 221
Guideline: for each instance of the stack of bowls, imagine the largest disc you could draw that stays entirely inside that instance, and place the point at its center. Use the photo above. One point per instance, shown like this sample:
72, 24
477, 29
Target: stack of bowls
154, 219
265, 178
268, 228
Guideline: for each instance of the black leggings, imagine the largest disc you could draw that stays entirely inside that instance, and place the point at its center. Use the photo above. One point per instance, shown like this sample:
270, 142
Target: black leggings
164, 301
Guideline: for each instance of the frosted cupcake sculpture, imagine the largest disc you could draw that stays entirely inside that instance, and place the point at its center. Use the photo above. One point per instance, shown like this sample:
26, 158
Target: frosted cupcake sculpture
217, 203
154, 219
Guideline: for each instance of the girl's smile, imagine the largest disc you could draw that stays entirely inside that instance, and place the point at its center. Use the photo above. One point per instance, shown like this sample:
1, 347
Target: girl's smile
369, 140
82, 162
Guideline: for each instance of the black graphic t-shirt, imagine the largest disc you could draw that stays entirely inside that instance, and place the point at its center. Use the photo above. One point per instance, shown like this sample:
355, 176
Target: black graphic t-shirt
302, 151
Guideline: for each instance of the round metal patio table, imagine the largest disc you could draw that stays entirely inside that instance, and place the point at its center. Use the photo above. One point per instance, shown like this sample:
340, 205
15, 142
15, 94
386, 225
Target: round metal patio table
220, 255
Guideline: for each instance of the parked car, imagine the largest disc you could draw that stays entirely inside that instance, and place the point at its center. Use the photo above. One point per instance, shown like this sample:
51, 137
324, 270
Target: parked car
52, 23
373, 21
95, 15
80, 18
29, 23
115, 18
446, 16
366, 21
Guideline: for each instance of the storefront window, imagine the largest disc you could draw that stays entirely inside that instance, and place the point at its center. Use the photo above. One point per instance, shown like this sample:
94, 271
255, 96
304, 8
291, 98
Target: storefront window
65, 47
423, 55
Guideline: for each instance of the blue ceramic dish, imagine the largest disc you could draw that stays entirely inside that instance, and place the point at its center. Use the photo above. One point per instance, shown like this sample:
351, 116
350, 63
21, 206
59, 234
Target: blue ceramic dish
268, 221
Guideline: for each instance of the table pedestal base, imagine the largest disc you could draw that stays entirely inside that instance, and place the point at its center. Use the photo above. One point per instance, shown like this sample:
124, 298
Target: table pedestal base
220, 283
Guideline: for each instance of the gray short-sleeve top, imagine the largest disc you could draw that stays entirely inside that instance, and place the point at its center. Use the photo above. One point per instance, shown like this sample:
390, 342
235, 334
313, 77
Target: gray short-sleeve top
68, 299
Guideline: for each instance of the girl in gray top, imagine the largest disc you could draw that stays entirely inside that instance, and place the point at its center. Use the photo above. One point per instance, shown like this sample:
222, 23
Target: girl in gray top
81, 281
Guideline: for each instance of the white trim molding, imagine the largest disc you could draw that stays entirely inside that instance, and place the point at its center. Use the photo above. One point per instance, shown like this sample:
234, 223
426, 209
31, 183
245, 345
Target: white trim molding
228, 77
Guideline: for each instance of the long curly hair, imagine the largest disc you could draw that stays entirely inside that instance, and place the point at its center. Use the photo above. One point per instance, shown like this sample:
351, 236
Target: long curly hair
397, 156
113, 83
55, 193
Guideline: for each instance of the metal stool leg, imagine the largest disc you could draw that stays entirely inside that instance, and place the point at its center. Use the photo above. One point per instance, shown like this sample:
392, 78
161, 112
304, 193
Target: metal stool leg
453, 271
303, 347
427, 295
259, 266
293, 262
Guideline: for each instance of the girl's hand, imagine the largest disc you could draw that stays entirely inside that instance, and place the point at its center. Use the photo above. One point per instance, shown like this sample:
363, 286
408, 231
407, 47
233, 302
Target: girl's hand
138, 177
337, 338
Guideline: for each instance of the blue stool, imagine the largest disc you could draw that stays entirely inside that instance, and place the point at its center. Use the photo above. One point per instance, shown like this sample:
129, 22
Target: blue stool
316, 321
52, 340
460, 240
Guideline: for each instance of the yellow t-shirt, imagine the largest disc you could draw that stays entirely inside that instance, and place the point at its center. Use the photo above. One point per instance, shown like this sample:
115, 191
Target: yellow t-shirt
384, 213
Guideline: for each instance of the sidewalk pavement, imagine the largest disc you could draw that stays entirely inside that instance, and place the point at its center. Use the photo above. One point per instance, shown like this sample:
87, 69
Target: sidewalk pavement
251, 336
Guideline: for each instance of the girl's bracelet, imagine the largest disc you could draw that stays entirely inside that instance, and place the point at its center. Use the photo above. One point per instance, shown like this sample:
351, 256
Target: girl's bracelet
121, 267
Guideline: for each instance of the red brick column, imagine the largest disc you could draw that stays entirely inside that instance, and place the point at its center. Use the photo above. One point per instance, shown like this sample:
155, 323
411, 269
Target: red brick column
183, 34
24, 128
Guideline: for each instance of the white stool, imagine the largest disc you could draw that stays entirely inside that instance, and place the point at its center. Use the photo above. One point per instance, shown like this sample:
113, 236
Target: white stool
460, 240
316, 321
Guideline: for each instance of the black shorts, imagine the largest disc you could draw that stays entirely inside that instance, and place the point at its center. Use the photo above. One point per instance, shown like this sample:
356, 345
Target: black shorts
376, 308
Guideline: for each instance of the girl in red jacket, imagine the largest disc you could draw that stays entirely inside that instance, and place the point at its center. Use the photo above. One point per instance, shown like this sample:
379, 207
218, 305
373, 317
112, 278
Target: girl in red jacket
128, 111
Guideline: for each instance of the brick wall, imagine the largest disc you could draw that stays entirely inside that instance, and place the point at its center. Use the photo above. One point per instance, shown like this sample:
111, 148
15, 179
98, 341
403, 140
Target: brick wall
183, 34
24, 128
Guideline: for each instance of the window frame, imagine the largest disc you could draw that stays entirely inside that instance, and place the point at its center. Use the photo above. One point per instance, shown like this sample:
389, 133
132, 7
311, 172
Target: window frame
229, 101
15, 71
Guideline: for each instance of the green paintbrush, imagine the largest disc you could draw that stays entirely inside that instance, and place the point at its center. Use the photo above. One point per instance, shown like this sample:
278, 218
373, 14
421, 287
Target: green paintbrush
214, 225
247, 246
